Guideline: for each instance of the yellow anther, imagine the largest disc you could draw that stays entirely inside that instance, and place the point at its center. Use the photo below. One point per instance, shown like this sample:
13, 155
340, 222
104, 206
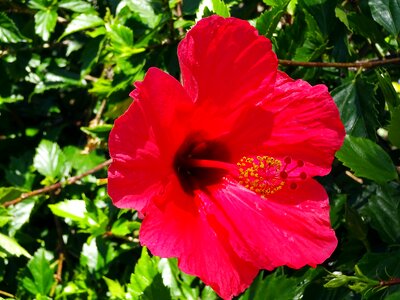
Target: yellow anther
260, 174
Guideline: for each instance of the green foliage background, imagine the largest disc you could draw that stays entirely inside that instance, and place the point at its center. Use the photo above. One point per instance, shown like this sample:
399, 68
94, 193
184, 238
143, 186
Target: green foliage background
66, 69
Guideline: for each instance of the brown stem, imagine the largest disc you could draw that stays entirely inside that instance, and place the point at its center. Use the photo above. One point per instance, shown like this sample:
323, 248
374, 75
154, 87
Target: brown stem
179, 15
57, 185
360, 64
61, 259
389, 282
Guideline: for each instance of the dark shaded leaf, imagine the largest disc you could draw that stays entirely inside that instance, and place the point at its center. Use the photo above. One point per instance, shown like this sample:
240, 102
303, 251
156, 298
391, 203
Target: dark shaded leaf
383, 209
394, 128
386, 13
356, 102
367, 159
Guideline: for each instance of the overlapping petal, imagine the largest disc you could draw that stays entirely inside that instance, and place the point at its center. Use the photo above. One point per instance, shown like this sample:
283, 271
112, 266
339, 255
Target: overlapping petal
226, 64
181, 228
305, 124
141, 144
286, 228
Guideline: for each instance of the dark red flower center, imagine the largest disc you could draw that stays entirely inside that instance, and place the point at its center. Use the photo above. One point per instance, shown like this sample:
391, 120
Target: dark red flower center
200, 162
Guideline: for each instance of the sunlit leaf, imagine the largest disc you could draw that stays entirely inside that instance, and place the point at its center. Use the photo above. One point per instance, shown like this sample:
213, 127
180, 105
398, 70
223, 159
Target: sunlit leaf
79, 6
11, 247
146, 10
72, 209
49, 159
9, 33
40, 279
82, 22
220, 8
45, 22
146, 281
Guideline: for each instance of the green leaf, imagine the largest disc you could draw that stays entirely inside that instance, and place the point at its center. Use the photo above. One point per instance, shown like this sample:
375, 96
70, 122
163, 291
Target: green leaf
96, 255
356, 102
146, 282
72, 209
9, 33
45, 22
383, 210
314, 44
19, 171
49, 160
115, 289
220, 8
279, 286
394, 128
11, 247
146, 11
123, 227
82, 161
120, 35
274, 3
266, 23
82, 22
180, 284
79, 6
367, 159
40, 279
381, 265
100, 131
41, 4
323, 12
386, 13
385, 83
21, 213
355, 224
364, 26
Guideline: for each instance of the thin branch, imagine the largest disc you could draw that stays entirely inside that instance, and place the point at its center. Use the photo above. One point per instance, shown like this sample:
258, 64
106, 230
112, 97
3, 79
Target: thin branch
61, 259
389, 282
366, 64
57, 185
6, 294
179, 15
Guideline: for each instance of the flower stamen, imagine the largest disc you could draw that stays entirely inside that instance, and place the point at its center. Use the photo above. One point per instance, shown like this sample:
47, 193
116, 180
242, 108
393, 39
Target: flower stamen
266, 175
261, 174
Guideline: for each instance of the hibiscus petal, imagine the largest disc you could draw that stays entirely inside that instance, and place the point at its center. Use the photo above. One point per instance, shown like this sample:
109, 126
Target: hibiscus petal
305, 124
136, 172
288, 228
248, 133
140, 142
179, 228
225, 63
166, 105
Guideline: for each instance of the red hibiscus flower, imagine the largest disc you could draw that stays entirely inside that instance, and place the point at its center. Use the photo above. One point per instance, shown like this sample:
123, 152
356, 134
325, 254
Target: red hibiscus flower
221, 167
